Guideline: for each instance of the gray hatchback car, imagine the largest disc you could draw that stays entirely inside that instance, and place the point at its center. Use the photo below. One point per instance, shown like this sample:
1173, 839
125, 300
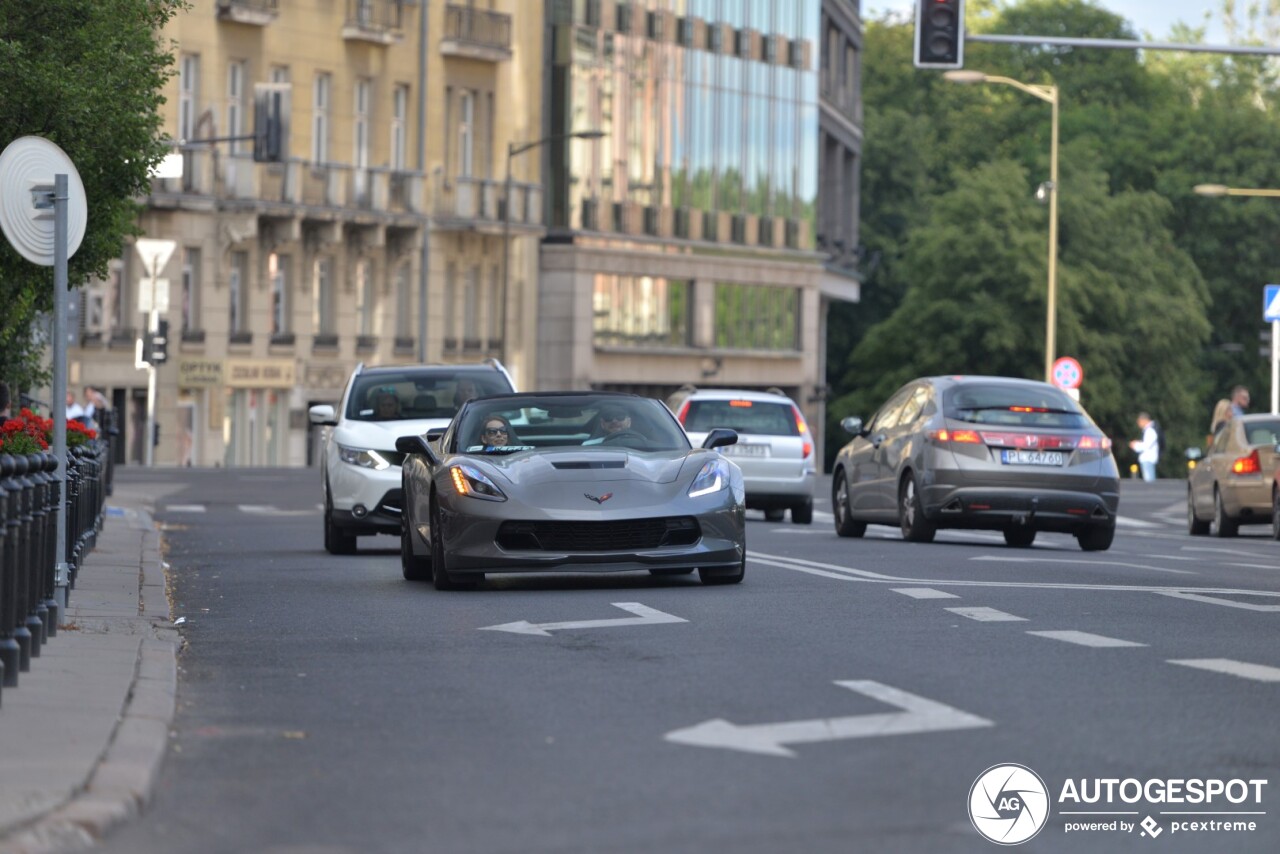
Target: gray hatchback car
1012, 455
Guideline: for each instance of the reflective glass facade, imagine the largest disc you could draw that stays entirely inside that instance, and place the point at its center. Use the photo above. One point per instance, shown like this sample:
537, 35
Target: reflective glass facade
640, 311
707, 105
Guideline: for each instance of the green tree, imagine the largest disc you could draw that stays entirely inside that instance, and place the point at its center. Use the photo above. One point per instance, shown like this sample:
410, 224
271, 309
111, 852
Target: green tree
87, 75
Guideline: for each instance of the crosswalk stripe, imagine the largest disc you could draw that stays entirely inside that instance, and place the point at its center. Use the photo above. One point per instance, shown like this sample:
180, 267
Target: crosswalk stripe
183, 508
986, 615
1085, 638
1259, 672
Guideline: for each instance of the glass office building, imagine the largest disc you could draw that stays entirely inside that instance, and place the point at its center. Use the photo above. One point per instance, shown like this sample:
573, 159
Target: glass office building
681, 244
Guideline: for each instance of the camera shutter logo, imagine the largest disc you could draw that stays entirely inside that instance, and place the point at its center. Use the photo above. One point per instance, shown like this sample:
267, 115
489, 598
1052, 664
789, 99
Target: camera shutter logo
1008, 804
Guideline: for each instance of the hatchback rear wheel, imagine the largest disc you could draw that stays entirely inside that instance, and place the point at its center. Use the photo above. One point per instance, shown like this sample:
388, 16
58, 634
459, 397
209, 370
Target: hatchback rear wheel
915, 527
1097, 539
1019, 536
802, 513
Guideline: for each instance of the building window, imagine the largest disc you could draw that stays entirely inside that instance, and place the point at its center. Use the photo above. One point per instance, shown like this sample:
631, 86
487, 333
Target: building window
404, 320
466, 134
279, 74
365, 301
322, 297
238, 288
471, 306
450, 301
190, 290
756, 317
641, 311
399, 115
320, 119
235, 103
360, 124
279, 270
116, 295
495, 305
188, 96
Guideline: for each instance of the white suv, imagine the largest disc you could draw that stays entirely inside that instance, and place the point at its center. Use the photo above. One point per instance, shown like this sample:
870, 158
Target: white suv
775, 448
361, 468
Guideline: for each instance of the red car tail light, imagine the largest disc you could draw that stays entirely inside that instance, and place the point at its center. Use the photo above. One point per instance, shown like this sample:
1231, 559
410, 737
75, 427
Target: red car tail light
1251, 464
961, 437
804, 431
684, 412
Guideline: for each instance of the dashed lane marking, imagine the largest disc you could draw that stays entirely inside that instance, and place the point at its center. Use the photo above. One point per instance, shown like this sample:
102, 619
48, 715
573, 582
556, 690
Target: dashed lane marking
924, 593
1085, 639
1243, 669
183, 508
986, 615
1213, 600
1110, 563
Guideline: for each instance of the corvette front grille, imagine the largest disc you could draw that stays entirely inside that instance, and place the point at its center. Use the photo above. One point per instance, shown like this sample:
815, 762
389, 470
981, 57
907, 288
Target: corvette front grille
620, 535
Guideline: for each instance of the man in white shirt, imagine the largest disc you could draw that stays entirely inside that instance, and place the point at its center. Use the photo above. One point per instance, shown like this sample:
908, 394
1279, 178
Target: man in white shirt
1148, 447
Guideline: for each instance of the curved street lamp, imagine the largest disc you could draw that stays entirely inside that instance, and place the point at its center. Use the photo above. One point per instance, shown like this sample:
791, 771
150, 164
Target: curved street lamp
512, 150
1048, 93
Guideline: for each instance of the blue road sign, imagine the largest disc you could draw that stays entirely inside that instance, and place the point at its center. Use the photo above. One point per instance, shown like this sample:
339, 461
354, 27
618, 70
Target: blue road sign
1271, 303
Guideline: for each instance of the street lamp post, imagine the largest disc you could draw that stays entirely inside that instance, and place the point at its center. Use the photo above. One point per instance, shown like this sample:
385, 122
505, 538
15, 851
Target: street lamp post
1048, 93
512, 150
1224, 190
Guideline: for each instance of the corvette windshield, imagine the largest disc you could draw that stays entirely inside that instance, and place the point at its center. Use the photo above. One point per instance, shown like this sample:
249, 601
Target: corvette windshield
529, 422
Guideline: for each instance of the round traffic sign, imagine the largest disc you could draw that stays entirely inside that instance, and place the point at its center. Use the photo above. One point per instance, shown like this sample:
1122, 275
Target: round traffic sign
26, 164
1067, 373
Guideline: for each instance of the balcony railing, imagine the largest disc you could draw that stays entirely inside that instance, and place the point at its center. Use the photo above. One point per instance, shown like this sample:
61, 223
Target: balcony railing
476, 33
378, 21
469, 202
256, 12
208, 174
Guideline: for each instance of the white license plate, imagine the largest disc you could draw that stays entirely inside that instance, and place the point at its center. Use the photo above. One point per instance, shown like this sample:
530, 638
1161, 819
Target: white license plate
1031, 458
741, 450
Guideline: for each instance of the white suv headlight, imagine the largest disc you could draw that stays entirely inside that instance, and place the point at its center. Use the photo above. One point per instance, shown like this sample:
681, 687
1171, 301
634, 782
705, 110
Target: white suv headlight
713, 478
363, 458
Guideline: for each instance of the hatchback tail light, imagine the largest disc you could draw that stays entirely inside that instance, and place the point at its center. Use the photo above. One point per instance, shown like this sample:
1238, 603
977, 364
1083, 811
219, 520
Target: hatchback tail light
1251, 464
1094, 443
959, 437
684, 412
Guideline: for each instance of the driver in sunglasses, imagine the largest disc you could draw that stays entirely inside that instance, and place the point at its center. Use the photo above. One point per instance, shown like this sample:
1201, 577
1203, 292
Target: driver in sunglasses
613, 420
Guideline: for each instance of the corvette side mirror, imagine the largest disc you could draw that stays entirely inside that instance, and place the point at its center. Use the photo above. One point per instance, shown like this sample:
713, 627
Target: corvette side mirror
417, 445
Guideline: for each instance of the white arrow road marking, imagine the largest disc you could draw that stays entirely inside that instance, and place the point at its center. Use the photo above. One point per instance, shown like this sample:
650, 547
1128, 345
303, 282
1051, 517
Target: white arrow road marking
1213, 600
1243, 669
645, 616
917, 715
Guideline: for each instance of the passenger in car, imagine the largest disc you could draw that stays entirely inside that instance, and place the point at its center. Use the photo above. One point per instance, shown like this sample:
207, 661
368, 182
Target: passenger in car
386, 406
496, 432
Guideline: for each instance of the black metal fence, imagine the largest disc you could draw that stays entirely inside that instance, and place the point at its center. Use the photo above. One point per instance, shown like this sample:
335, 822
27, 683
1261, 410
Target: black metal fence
29, 497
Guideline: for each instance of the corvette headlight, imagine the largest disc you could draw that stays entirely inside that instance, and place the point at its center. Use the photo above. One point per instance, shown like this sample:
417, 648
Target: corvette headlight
363, 458
469, 480
713, 478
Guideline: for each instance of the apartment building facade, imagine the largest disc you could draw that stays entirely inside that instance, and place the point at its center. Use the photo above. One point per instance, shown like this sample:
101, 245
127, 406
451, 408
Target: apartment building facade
381, 237
682, 246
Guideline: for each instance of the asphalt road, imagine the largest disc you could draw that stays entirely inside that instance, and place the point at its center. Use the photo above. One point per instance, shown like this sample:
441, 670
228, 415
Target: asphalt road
845, 697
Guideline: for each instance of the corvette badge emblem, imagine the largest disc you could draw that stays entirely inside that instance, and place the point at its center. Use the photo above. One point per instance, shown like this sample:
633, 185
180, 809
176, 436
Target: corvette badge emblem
599, 499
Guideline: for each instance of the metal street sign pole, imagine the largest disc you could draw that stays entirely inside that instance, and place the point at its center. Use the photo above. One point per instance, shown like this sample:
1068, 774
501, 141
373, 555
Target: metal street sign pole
153, 325
1275, 367
59, 403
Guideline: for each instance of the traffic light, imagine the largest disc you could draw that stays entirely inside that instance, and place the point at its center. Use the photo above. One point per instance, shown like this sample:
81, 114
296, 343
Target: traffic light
939, 34
157, 344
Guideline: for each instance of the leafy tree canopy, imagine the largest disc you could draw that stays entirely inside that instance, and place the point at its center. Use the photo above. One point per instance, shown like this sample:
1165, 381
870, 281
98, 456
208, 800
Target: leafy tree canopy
86, 75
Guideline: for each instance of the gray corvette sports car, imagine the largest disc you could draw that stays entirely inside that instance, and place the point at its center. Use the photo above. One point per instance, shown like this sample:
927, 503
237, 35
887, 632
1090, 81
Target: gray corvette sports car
569, 482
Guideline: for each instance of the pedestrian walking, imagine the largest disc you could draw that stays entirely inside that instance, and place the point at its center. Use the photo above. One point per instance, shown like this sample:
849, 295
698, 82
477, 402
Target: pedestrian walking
1148, 447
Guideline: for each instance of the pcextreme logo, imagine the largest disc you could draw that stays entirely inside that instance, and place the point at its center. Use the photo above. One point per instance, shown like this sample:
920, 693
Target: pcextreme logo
1008, 804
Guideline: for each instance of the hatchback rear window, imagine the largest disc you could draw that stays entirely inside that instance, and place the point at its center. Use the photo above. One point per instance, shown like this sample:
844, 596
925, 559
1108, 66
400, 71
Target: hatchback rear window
1262, 432
1015, 406
745, 416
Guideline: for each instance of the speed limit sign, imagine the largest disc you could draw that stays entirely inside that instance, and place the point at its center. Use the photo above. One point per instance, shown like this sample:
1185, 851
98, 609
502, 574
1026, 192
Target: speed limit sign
1067, 373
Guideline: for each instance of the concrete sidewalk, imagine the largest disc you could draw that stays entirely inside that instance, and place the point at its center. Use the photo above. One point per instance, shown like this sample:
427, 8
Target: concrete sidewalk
83, 734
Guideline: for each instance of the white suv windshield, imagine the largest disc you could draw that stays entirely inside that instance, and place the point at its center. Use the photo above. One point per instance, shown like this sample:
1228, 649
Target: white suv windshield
418, 393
